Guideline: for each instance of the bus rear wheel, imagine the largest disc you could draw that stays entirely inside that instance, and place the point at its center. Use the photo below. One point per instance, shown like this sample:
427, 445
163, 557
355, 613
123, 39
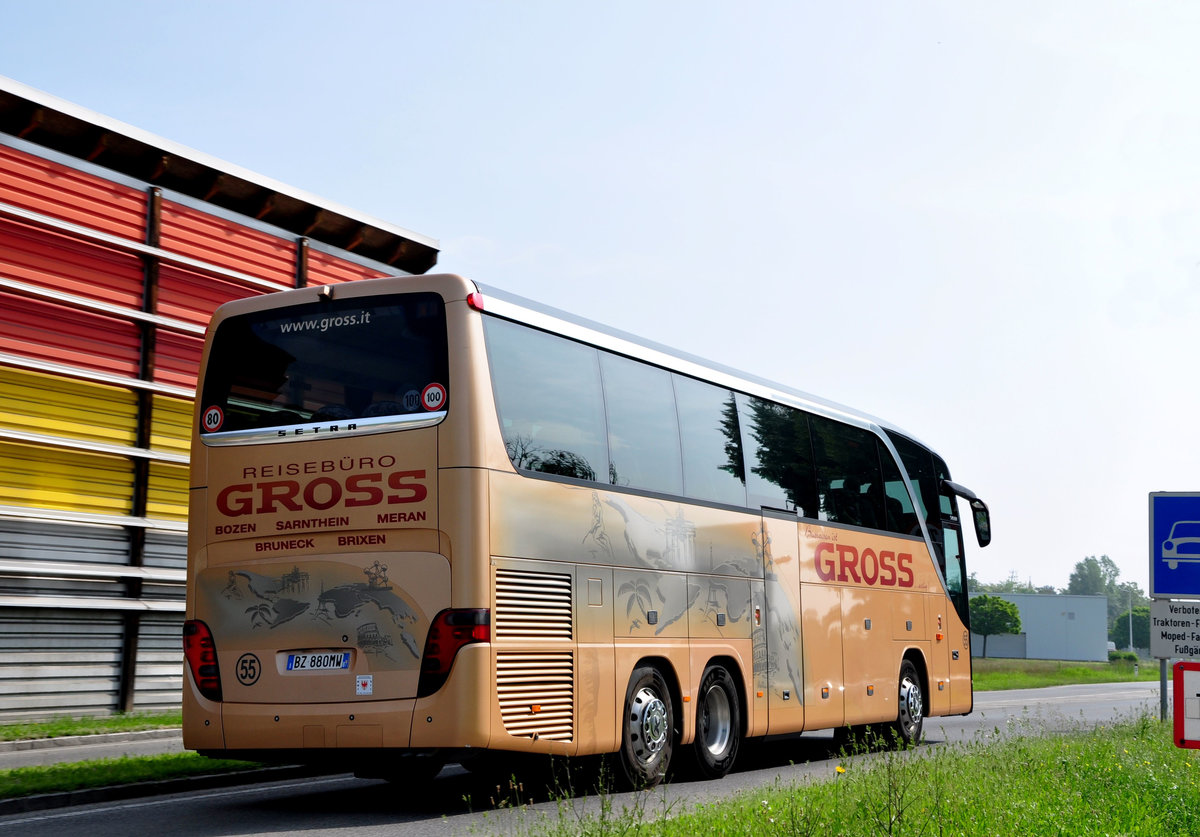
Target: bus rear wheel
718, 724
648, 729
911, 715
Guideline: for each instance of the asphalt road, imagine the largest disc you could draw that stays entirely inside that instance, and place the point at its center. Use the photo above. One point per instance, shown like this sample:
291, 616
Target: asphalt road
459, 802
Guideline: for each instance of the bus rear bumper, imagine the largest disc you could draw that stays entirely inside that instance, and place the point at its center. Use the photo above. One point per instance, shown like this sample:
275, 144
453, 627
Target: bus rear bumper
326, 726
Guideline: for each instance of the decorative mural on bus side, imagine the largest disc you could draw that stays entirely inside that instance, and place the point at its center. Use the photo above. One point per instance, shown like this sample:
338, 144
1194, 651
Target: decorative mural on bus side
777, 650
544, 519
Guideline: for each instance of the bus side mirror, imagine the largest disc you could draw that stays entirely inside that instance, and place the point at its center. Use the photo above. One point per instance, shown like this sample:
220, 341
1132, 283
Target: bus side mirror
979, 511
983, 522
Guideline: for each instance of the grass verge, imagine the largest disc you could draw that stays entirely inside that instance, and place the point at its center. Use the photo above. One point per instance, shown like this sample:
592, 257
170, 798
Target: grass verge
1123, 779
997, 674
133, 722
57, 778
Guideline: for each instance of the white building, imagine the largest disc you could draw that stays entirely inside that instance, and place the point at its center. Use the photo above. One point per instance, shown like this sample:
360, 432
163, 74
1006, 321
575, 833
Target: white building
1052, 628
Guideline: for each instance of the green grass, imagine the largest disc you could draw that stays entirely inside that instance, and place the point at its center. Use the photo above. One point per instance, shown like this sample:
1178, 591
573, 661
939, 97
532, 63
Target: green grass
1124, 779
996, 674
54, 778
58, 727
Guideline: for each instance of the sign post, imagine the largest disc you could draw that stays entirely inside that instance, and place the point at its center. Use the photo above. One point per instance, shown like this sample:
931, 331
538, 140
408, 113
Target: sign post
1175, 579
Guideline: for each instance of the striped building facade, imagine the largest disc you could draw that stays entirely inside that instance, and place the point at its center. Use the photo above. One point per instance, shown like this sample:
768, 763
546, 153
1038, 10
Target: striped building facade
115, 248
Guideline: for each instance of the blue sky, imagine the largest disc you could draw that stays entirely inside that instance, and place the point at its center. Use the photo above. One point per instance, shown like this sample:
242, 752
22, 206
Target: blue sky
980, 220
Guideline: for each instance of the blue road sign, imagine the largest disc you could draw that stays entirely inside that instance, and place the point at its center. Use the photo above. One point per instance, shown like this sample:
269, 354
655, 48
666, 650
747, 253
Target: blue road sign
1174, 545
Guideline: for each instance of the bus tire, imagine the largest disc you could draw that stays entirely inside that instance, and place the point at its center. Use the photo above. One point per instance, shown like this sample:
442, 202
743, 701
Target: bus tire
647, 729
911, 714
718, 724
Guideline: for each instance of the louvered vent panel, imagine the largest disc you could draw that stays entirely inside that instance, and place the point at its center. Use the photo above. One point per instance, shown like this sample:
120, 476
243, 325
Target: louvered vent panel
532, 605
537, 693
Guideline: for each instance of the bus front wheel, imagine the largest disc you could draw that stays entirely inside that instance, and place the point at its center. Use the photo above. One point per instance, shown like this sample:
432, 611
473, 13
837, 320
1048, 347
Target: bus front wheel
648, 729
911, 715
718, 724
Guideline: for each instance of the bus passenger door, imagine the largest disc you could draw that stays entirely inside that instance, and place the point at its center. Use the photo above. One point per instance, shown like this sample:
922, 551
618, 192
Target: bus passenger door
957, 631
779, 660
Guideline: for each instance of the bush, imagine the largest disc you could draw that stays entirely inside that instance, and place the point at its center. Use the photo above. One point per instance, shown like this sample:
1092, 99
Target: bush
1122, 657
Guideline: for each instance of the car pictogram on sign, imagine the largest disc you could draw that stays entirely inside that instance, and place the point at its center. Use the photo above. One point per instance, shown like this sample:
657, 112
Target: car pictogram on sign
1183, 544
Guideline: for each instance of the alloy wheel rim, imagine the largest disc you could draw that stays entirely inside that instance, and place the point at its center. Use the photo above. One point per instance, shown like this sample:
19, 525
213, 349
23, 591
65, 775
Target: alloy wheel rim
911, 705
716, 720
648, 728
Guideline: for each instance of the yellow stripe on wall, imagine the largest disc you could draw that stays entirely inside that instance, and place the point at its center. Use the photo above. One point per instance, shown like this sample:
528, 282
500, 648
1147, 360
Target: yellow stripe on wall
52, 406
47, 478
167, 497
171, 425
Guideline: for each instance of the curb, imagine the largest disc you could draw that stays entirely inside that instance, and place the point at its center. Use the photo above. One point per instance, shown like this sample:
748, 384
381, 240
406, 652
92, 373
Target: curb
112, 793
81, 740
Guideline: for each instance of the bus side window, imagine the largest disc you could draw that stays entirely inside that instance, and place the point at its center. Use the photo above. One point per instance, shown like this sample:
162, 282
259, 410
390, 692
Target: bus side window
848, 474
549, 400
901, 517
713, 467
778, 455
643, 432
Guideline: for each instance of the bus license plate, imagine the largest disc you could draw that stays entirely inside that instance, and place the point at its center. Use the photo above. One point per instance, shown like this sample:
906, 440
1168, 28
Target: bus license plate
318, 661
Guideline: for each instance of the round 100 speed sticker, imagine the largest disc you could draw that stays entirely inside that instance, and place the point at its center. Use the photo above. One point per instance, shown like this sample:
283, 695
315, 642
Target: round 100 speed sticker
433, 397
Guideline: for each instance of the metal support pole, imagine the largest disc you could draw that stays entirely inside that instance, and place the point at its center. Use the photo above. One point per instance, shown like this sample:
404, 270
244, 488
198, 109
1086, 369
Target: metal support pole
1162, 689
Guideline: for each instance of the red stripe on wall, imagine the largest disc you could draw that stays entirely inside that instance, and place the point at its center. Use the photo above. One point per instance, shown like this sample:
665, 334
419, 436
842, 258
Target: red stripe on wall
191, 232
74, 266
187, 295
324, 269
42, 330
177, 358
70, 195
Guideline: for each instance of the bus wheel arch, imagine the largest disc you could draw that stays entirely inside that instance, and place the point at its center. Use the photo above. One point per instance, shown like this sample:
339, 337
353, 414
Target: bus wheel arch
649, 724
720, 718
912, 701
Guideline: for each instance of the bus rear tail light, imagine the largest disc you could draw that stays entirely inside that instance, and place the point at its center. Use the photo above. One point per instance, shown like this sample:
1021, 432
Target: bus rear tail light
201, 654
450, 631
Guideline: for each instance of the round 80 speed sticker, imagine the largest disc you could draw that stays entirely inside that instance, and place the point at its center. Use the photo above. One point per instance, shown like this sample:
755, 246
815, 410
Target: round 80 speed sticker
212, 419
433, 397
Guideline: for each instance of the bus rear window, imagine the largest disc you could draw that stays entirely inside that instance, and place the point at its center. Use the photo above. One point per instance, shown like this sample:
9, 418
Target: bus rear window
356, 361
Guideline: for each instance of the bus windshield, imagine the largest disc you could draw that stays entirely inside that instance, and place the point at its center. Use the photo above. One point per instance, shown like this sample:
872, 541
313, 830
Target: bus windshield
371, 361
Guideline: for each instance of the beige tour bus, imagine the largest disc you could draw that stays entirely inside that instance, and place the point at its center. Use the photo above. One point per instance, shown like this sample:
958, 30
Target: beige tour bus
430, 520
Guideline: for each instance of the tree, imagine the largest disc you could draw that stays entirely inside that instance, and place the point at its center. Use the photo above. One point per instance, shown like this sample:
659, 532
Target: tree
1009, 585
992, 615
1141, 629
1098, 577
1091, 576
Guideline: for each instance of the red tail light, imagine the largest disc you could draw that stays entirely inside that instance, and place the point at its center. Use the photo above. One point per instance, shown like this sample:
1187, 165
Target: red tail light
450, 631
201, 654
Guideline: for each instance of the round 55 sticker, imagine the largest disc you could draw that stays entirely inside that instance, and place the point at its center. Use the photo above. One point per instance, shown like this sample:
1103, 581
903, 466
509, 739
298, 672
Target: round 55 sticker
248, 669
